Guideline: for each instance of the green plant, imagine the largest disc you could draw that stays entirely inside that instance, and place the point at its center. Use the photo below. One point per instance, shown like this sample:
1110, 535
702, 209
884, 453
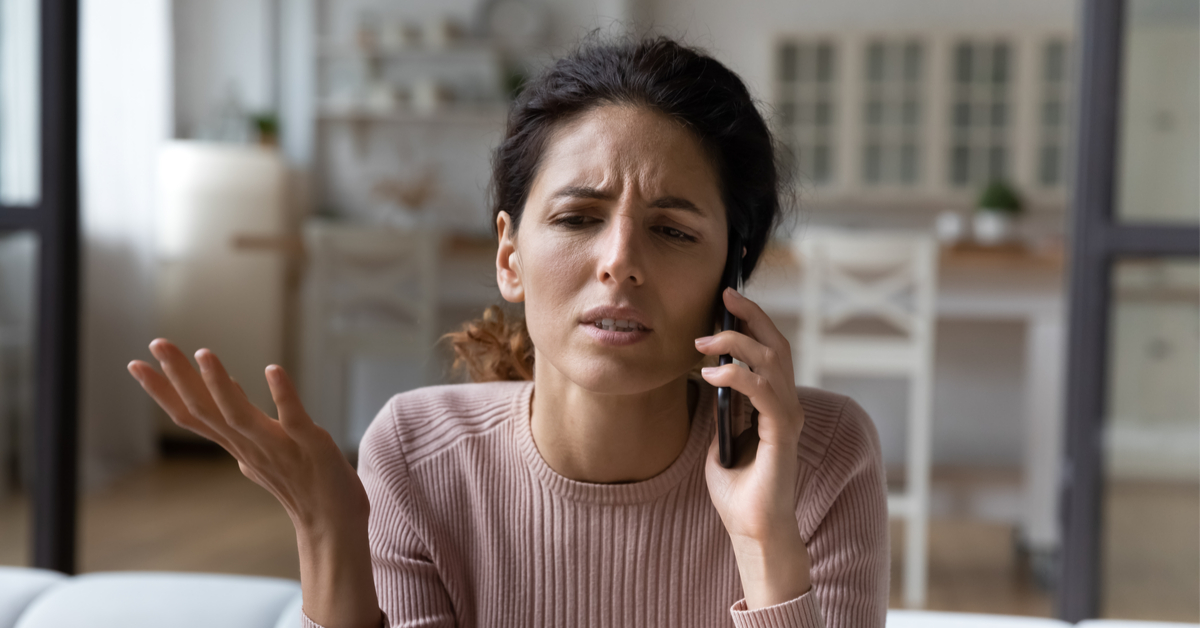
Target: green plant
1000, 196
267, 125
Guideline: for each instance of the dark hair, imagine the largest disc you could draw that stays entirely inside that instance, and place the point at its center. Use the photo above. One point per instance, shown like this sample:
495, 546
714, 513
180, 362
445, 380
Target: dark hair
659, 73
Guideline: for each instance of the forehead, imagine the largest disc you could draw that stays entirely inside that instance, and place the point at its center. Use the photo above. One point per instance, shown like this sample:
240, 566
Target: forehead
628, 145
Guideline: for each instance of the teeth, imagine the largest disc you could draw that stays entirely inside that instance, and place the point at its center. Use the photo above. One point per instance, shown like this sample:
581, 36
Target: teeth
618, 325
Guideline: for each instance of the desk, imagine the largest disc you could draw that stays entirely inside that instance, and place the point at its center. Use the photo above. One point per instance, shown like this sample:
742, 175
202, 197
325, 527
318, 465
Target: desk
986, 285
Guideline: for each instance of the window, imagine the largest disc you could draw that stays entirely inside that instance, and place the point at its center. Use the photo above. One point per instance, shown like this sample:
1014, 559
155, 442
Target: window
807, 74
894, 81
981, 89
1052, 136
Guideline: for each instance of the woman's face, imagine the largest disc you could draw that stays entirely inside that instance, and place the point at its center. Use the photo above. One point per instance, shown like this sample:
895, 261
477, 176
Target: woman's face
624, 228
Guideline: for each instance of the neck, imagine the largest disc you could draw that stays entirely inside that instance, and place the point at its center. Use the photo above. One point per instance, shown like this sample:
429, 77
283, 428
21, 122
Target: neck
607, 438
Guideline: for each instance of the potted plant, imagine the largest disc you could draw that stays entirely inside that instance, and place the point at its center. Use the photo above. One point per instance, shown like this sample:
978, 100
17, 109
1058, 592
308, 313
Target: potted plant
998, 208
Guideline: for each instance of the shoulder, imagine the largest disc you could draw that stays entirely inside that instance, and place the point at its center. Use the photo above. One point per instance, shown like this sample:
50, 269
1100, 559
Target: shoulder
837, 432
420, 423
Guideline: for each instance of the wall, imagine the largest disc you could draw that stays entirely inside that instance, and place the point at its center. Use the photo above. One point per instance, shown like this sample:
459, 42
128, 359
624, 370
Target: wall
219, 46
125, 114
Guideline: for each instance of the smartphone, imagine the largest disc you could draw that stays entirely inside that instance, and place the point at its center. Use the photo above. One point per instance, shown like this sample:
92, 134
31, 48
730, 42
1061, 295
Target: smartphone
727, 405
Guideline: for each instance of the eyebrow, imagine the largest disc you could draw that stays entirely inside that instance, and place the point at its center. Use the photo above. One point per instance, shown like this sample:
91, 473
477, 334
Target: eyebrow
664, 202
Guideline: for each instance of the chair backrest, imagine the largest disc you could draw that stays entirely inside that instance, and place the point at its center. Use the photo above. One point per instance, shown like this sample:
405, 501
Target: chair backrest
373, 282
865, 277
370, 320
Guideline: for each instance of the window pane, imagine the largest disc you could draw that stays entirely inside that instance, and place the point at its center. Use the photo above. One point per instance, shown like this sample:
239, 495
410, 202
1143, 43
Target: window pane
999, 115
875, 62
1151, 542
1054, 69
20, 154
1000, 64
960, 165
962, 63
824, 63
787, 62
911, 114
871, 164
912, 62
1048, 165
1160, 113
18, 294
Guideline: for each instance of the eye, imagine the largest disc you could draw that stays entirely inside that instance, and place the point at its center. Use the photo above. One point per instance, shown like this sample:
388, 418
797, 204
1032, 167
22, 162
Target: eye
571, 221
675, 234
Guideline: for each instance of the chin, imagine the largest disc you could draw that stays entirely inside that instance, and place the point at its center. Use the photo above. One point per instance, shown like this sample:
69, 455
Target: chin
607, 376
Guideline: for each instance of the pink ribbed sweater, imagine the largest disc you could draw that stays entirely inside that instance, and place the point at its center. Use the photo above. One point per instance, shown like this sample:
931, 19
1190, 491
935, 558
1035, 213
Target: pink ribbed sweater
470, 527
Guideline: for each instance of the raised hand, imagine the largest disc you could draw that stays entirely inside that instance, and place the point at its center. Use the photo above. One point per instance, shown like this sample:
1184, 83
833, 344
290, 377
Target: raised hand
756, 498
294, 459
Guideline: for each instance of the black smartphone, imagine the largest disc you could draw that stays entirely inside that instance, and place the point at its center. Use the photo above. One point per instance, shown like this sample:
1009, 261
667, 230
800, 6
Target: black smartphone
727, 406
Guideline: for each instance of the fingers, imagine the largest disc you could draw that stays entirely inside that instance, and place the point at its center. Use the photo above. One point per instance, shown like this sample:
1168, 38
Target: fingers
292, 416
756, 322
163, 393
771, 362
235, 407
758, 356
187, 382
757, 388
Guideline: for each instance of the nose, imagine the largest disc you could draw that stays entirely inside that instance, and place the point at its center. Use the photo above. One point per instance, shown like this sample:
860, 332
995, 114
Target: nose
620, 253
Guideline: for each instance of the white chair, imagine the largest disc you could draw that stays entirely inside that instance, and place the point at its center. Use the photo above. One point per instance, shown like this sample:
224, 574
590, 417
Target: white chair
370, 308
853, 282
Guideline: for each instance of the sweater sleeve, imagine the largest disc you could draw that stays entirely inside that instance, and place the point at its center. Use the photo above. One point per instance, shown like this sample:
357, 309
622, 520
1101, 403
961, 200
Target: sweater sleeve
849, 546
410, 589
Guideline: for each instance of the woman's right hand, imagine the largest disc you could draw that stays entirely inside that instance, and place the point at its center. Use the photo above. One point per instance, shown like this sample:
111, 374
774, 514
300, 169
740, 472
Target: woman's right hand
294, 459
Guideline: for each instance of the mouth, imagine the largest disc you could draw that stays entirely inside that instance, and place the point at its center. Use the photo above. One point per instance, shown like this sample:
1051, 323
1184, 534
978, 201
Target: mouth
619, 324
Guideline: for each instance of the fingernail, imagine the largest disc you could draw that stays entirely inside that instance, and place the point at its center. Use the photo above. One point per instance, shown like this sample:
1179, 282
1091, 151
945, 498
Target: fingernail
133, 371
703, 340
735, 293
709, 370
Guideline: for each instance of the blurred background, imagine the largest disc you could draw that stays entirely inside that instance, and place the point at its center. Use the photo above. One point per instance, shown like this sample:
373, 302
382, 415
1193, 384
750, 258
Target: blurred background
304, 182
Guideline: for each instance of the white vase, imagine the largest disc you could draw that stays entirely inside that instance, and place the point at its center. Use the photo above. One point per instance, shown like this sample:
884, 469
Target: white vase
992, 226
949, 227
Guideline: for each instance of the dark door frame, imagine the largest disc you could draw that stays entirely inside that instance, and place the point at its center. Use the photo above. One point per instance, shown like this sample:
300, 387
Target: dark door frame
1098, 240
55, 220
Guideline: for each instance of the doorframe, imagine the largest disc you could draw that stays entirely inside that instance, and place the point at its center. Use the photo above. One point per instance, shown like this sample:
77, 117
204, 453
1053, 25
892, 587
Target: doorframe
54, 218
1098, 241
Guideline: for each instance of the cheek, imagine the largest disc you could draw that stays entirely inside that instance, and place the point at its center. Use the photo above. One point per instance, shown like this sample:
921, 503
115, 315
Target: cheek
553, 272
690, 295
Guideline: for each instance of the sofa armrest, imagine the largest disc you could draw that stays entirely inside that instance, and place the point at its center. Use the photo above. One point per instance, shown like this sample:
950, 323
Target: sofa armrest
19, 586
155, 599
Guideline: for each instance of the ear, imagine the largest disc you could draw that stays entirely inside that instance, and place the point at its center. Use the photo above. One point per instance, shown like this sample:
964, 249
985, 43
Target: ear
508, 262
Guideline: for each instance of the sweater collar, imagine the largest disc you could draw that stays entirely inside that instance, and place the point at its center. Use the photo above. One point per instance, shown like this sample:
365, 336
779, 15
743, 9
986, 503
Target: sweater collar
689, 462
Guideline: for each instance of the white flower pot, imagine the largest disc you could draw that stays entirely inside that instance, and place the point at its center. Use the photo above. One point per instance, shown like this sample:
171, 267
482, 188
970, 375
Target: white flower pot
992, 226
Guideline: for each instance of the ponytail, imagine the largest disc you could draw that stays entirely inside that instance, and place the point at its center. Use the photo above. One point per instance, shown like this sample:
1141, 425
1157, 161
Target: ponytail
493, 348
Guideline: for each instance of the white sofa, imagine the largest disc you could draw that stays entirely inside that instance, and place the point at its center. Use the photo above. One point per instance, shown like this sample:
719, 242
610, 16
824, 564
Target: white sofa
36, 598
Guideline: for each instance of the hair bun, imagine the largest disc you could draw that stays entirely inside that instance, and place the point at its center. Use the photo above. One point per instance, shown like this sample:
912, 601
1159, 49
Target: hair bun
493, 348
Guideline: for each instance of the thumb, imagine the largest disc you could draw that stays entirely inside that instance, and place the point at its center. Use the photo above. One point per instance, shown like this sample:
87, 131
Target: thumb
292, 415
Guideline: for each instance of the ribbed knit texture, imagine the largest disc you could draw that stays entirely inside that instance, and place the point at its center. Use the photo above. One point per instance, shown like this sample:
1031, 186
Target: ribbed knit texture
470, 527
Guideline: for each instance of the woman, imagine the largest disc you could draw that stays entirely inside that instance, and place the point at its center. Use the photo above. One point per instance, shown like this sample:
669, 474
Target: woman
588, 492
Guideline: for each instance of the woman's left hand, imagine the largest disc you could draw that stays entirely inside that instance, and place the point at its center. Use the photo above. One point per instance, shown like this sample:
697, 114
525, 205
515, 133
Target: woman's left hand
756, 499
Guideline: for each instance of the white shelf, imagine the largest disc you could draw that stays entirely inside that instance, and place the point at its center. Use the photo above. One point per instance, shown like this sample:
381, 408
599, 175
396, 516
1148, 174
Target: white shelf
449, 114
421, 52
